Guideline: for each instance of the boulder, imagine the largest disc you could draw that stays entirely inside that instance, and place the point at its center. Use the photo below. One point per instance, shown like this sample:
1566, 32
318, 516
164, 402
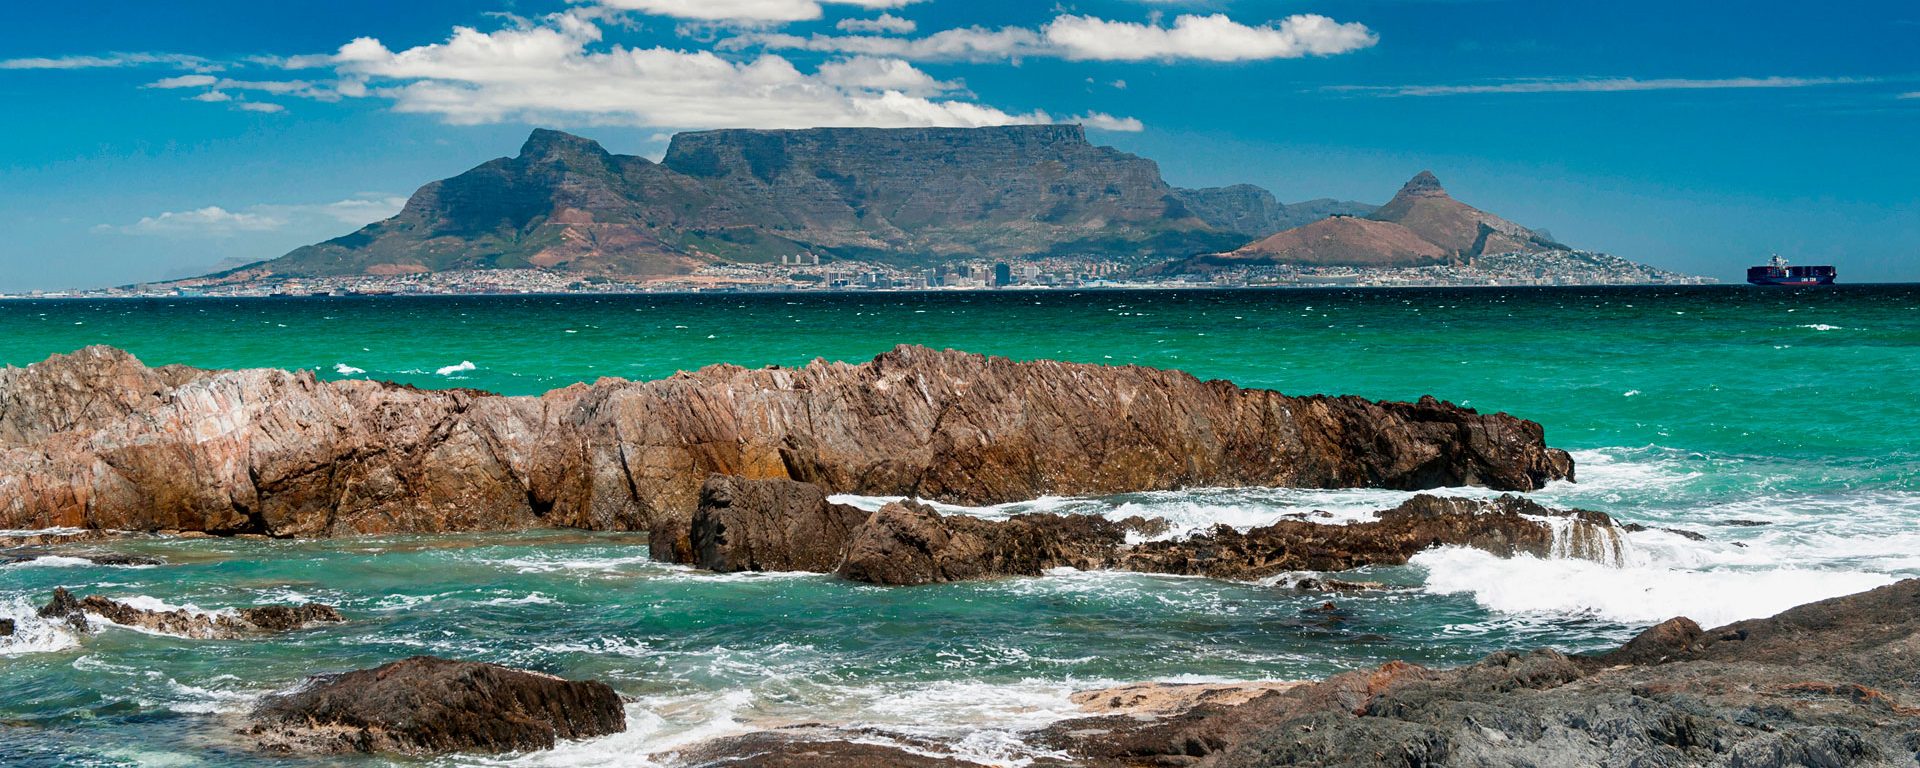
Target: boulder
429, 705
761, 525
6, 627
66, 608
909, 543
98, 440
806, 749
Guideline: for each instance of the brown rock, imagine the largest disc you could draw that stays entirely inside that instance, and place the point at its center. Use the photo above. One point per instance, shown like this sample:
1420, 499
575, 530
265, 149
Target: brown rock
180, 622
425, 705
97, 440
761, 525
909, 543
6, 627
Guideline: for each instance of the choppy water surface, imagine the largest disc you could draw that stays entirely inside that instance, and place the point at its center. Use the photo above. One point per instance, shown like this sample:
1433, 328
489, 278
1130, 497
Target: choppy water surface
1709, 410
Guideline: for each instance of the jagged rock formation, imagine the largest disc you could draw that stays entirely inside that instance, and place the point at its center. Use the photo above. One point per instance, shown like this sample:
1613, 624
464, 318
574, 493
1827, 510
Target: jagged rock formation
919, 195
180, 622
785, 525
97, 440
427, 705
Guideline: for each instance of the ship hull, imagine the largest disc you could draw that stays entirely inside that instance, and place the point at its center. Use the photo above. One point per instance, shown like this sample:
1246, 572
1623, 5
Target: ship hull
1791, 282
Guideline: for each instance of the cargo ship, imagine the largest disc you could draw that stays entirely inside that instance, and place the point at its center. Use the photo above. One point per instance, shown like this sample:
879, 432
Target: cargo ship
1776, 272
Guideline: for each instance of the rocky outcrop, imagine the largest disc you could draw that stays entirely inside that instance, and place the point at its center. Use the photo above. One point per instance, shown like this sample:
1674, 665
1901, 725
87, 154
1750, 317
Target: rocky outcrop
29, 554
785, 525
427, 705
182, 622
1831, 683
1256, 213
1506, 526
97, 440
908, 543
763, 525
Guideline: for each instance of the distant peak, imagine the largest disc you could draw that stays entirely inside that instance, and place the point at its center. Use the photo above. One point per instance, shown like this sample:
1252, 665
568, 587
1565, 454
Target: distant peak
1423, 184
549, 143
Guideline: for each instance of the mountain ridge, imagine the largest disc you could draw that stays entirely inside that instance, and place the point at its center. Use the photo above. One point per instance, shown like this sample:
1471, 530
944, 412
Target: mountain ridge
903, 196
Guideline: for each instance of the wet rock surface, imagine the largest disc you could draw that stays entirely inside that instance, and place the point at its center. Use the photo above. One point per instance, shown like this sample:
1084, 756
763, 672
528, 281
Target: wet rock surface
793, 527
1832, 683
78, 614
30, 554
1505, 526
428, 705
97, 440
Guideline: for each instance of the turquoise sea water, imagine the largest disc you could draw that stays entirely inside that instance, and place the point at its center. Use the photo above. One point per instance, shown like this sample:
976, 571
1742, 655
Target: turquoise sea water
1692, 408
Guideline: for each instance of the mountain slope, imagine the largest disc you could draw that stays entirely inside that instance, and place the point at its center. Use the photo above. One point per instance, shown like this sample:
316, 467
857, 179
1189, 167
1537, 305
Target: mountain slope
907, 196
1421, 226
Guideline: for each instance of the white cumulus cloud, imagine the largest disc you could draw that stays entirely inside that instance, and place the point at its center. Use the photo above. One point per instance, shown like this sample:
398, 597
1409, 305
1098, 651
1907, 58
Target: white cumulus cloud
216, 221
558, 71
1212, 37
885, 23
211, 220
748, 11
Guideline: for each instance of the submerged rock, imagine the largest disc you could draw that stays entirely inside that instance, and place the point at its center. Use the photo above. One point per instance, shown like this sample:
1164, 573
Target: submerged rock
180, 622
96, 439
29, 554
425, 705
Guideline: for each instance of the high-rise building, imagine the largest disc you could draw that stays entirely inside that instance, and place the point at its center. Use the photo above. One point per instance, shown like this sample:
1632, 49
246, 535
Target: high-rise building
1002, 274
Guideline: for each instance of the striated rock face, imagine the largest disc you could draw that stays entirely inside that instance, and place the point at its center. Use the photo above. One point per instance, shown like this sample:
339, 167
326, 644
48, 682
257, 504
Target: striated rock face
95, 439
1831, 683
180, 622
763, 525
802, 748
426, 705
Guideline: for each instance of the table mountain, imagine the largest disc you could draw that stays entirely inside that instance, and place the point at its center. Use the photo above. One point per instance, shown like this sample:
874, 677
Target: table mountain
906, 196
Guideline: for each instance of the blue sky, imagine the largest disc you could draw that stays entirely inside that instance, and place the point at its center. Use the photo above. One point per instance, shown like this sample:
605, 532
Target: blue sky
153, 140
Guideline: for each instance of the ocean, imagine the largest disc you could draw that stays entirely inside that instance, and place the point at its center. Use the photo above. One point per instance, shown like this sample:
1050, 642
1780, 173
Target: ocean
1780, 424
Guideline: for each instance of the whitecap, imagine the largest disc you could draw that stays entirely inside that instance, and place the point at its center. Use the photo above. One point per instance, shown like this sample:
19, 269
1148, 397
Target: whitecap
1636, 594
32, 634
461, 367
347, 370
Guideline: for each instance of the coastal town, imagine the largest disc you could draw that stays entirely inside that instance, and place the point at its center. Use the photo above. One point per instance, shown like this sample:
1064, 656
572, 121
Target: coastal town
811, 274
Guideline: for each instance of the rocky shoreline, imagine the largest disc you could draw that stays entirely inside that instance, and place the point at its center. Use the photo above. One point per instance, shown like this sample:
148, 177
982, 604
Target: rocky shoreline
98, 440
1831, 683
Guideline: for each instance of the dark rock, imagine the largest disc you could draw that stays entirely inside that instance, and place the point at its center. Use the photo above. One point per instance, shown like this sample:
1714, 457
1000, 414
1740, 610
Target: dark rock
1832, 683
64, 607
762, 525
6, 627
180, 622
1744, 523
1667, 640
114, 558
910, 543
286, 618
426, 705
1503, 526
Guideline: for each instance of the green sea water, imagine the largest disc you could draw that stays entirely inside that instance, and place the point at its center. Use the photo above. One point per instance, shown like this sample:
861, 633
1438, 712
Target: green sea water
1706, 409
